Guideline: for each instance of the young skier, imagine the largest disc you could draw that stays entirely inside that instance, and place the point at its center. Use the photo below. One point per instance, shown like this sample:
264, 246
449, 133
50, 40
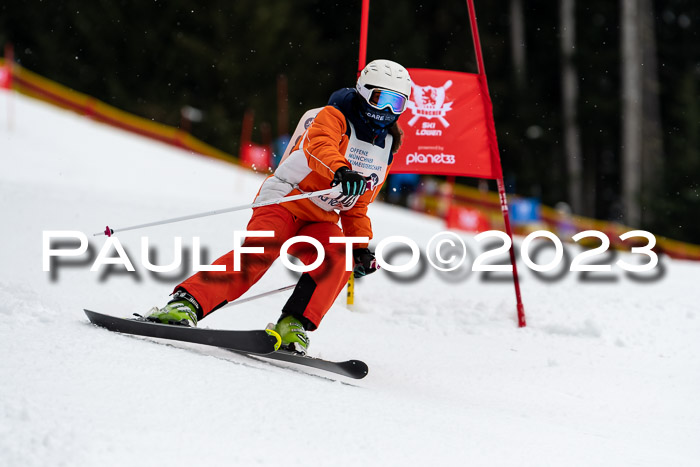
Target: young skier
349, 144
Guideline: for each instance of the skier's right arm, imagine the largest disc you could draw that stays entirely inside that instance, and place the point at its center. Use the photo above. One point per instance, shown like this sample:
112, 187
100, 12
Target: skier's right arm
322, 143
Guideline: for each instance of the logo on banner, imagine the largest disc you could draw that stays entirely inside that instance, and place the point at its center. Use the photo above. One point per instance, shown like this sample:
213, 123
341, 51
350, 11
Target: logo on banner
429, 102
421, 158
447, 127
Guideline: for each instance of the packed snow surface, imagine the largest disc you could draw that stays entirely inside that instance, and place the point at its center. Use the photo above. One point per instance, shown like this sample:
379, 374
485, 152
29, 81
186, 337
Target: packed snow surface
607, 372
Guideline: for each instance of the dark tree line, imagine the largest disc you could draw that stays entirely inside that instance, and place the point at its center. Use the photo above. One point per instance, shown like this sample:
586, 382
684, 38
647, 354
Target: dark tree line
154, 57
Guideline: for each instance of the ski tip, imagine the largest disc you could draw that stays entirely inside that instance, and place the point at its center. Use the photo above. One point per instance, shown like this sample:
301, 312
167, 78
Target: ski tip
94, 317
360, 368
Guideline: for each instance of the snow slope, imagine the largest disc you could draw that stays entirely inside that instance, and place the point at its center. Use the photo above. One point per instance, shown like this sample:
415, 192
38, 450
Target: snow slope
606, 373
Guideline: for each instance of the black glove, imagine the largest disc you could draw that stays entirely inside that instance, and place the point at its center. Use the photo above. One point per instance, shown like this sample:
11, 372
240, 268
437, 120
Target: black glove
351, 183
365, 262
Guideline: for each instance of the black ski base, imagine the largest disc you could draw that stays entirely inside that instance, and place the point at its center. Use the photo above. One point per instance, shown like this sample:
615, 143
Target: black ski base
254, 342
355, 369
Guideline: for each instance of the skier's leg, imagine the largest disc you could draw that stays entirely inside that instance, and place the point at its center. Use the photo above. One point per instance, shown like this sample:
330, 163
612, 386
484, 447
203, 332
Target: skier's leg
213, 289
317, 290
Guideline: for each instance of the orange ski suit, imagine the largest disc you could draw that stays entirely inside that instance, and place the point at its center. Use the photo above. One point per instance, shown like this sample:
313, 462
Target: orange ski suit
314, 160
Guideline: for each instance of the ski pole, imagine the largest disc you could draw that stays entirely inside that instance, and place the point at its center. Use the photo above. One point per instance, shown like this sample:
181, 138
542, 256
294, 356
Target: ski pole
108, 231
261, 295
351, 290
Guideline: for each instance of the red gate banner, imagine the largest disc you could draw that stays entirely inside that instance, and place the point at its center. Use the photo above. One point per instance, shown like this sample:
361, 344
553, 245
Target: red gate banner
470, 220
255, 156
5, 77
445, 129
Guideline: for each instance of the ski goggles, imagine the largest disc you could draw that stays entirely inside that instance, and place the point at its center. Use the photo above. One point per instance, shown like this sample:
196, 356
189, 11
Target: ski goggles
380, 99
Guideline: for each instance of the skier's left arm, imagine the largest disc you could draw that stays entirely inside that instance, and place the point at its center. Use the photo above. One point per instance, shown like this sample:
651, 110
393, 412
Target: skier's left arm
356, 224
355, 221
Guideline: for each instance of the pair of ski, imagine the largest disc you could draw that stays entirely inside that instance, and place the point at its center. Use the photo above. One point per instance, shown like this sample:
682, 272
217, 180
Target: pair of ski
253, 343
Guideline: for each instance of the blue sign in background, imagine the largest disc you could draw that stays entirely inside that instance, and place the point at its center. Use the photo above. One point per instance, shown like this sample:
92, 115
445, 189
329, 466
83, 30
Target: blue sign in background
524, 211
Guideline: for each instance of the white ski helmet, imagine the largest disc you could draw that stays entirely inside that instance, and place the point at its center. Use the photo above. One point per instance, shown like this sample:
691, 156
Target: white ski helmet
381, 75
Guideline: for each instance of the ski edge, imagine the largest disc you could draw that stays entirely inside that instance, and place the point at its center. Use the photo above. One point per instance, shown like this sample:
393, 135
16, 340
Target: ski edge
355, 369
182, 334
